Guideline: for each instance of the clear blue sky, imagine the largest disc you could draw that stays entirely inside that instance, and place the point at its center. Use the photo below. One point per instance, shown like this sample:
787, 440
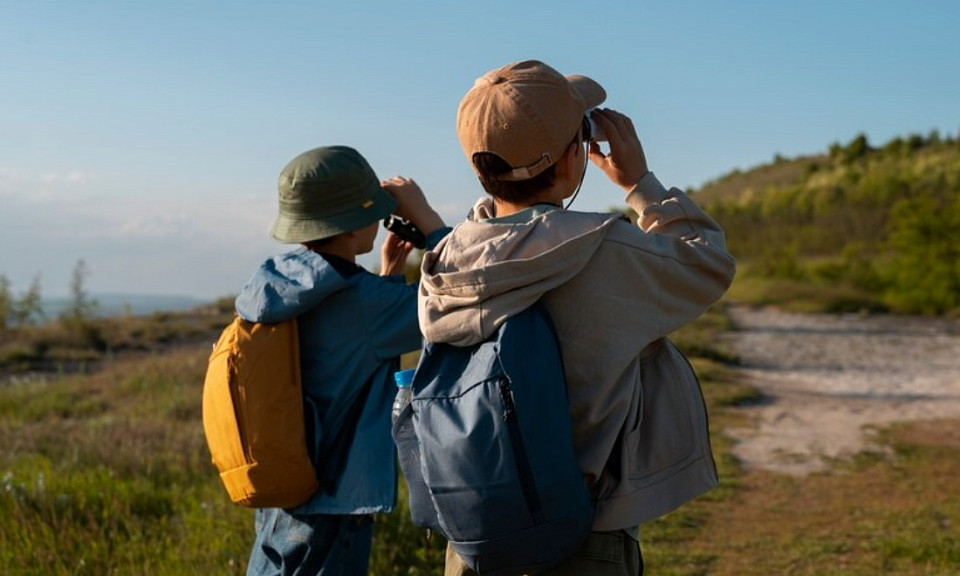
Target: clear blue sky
146, 137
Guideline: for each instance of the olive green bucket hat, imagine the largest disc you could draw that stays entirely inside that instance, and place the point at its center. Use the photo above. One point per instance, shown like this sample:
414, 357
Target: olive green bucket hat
328, 191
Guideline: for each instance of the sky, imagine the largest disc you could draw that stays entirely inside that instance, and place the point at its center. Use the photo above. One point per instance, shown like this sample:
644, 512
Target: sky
145, 138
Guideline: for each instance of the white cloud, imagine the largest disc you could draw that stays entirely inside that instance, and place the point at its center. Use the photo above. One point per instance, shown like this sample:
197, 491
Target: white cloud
8, 182
204, 245
71, 177
78, 177
137, 240
143, 227
47, 187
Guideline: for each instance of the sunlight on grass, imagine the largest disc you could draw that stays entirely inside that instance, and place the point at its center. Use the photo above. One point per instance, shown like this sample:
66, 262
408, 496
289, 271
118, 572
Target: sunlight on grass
109, 473
98, 477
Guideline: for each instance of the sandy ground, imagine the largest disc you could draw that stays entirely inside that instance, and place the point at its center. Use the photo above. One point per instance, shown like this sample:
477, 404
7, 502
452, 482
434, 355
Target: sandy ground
829, 380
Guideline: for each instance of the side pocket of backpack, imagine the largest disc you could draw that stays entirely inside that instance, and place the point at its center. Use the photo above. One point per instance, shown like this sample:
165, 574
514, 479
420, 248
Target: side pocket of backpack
223, 410
404, 434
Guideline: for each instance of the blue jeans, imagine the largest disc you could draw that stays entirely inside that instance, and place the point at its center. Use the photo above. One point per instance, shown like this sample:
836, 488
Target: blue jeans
309, 545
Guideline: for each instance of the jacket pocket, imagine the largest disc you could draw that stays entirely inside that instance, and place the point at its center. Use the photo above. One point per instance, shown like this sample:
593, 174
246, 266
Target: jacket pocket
633, 428
672, 427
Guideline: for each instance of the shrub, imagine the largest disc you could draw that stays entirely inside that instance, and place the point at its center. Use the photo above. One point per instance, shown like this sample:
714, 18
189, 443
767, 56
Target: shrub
780, 262
924, 270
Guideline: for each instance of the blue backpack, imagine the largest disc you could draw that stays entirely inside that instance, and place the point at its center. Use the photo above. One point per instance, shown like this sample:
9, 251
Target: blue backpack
487, 452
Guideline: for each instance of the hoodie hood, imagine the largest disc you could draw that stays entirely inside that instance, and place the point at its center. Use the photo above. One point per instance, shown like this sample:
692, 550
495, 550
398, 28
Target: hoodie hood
288, 285
485, 271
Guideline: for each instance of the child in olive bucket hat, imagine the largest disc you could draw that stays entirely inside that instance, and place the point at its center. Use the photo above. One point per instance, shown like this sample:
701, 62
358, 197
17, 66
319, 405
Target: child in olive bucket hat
353, 327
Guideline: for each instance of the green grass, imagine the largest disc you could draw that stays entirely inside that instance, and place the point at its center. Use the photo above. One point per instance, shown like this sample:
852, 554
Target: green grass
108, 473
894, 515
803, 295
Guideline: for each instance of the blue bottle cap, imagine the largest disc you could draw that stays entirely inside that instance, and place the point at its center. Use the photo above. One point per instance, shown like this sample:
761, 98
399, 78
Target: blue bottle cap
404, 378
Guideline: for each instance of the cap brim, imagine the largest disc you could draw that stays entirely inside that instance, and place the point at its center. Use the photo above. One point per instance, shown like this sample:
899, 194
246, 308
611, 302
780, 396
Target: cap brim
592, 93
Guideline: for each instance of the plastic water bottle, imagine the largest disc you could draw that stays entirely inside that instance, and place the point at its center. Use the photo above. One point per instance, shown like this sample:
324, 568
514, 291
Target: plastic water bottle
404, 380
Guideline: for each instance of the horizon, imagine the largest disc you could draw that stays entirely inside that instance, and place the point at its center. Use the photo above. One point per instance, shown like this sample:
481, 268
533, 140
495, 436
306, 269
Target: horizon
113, 305
146, 140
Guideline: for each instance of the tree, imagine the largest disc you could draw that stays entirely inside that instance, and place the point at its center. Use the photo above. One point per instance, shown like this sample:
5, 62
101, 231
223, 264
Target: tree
29, 305
857, 148
924, 265
81, 306
6, 303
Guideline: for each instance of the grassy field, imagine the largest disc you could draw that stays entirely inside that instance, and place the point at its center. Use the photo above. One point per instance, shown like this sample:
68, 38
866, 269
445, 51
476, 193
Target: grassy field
895, 513
108, 473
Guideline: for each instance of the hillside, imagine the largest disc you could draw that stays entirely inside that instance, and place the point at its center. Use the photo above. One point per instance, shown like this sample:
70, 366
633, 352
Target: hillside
780, 172
855, 228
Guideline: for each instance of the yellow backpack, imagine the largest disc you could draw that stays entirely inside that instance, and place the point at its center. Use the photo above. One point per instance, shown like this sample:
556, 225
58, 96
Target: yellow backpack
253, 415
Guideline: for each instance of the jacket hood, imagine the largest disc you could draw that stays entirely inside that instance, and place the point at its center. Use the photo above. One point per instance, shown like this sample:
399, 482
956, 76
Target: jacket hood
483, 272
287, 285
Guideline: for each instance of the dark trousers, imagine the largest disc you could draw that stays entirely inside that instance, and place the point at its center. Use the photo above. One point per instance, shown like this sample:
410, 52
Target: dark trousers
602, 554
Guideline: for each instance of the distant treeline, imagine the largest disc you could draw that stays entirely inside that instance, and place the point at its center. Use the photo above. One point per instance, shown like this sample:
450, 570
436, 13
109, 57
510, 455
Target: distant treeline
27, 308
76, 334
869, 227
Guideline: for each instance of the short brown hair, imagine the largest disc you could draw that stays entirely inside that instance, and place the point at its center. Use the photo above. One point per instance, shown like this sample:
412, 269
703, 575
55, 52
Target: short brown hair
490, 168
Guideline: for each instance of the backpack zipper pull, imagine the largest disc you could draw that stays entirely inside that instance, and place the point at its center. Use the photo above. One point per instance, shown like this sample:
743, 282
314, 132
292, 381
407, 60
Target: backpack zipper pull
507, 397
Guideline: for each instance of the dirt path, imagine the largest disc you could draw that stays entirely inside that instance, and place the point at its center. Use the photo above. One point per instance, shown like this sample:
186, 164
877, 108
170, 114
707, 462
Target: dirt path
830, 379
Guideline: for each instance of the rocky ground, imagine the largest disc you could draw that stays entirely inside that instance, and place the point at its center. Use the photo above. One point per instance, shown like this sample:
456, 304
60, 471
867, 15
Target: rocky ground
829, 380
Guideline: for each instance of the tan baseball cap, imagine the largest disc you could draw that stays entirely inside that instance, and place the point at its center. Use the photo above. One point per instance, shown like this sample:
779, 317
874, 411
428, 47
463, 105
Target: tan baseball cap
526, 113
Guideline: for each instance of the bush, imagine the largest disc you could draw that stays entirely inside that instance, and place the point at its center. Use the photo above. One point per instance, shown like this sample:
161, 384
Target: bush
780, 262
872, 228
924, 269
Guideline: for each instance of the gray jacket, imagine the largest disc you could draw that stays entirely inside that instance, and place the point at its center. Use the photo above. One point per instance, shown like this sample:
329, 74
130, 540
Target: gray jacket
614, 292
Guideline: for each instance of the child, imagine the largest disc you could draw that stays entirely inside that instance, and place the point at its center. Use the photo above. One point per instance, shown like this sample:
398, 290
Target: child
613, 290
353, 327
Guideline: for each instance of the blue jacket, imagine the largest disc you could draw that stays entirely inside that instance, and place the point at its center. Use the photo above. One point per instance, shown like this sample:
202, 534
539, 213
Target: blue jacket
353, 327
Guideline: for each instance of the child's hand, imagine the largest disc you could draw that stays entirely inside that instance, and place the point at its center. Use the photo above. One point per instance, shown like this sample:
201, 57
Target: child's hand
393, 255
626, 163
410, 199
412, 205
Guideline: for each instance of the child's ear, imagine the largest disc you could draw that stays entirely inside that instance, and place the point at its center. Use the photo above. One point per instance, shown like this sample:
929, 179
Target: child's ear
567, 165
350, 234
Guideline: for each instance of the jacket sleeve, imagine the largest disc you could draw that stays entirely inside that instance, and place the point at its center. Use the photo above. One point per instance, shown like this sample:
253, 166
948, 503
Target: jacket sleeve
392, 315
681, 259
671, 212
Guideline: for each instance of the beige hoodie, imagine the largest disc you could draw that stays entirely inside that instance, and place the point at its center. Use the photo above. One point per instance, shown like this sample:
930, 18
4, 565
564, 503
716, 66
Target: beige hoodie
614, 292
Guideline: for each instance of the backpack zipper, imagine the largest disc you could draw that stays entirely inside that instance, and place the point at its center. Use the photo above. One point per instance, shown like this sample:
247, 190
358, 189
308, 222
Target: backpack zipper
239, 405
527, 483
